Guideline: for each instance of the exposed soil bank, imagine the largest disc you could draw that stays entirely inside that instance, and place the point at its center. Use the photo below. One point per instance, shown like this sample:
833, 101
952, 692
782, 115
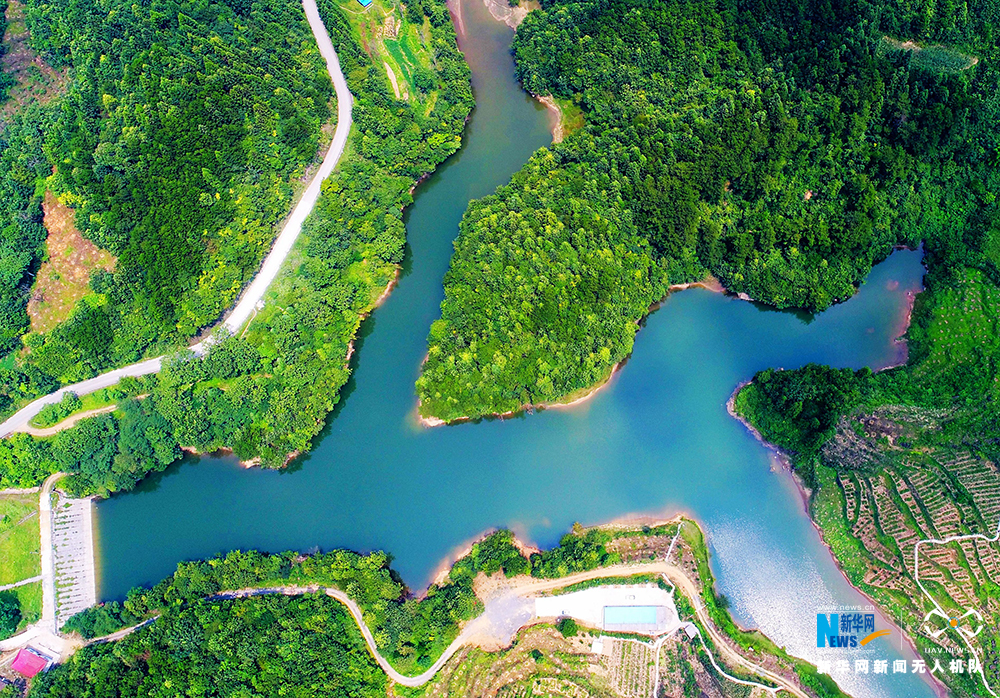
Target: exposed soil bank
558, 133
511, 16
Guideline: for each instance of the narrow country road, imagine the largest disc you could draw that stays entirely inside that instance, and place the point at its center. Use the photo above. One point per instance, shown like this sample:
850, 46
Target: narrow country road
480, 625
254, 293
67, 423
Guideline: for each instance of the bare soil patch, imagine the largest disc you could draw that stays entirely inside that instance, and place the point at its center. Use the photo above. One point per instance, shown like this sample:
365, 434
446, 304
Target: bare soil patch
65, 277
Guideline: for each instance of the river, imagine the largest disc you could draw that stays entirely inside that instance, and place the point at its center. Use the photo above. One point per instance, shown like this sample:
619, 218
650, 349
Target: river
657, 440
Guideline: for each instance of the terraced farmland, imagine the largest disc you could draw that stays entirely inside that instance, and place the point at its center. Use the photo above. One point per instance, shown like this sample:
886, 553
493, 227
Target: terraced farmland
898, 482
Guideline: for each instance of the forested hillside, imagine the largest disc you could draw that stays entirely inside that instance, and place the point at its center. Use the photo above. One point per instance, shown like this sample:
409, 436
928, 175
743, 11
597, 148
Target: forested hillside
201, 641
179, 140
265, 395
784, 148
272, 645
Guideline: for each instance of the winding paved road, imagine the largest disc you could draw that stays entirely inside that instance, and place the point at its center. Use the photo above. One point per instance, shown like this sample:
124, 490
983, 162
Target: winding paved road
254, 293
504, 616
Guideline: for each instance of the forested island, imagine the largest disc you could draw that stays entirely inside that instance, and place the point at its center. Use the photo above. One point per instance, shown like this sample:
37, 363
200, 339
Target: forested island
783, 148
266, 394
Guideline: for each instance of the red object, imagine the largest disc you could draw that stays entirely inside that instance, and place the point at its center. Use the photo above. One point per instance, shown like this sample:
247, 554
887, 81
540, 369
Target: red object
29, 662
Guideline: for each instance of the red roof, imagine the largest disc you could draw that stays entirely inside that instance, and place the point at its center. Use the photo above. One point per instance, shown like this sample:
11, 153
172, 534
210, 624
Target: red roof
29, 662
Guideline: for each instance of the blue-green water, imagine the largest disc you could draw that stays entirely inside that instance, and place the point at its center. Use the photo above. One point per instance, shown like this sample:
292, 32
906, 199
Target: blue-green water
656, 440
630, 615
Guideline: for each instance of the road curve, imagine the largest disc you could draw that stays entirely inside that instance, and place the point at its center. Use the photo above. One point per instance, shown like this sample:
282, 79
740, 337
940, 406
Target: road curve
670, 572
253, 293
352, 607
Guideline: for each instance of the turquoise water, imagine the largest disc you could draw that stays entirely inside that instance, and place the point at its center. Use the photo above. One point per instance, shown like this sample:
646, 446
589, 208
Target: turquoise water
657, 440
629, 615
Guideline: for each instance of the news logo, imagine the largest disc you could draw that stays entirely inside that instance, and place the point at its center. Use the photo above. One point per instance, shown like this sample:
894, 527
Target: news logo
846, 630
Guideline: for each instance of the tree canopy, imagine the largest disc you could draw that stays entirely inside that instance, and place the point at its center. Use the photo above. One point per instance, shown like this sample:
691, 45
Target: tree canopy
784, 148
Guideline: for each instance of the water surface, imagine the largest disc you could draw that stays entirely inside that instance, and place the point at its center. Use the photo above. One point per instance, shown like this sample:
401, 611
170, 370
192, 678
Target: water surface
657, 440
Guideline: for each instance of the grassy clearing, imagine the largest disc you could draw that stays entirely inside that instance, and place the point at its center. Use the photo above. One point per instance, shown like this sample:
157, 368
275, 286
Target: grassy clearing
963, 325
572, 116
53, 414
29, 597
935, 58
37, 81
19, 538
392, 40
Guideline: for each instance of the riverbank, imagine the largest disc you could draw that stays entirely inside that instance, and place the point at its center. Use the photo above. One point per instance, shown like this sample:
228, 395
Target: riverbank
511, 15
581, 395
671, 552
441, 571
806, 496
556, 116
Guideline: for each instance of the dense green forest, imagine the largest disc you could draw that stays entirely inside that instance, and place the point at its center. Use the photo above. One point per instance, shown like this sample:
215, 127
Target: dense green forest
177, 141
307, 644
6, 79
22, 236
409, 631
952, 374
268, 645
784, 148
267, 394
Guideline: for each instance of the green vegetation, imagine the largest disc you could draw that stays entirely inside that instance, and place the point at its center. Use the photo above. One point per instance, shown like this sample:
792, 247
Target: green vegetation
538, 303
953, 340
604, 581
19, 538
410, 632
782, 148
10, 614
195, 616
29, 599
568, 627
271, 645
904, 454
22, 238
105, 454
270, 401
494, 553
177, 141
267, 394
6, 80
55, 413
400, 39
576, 552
